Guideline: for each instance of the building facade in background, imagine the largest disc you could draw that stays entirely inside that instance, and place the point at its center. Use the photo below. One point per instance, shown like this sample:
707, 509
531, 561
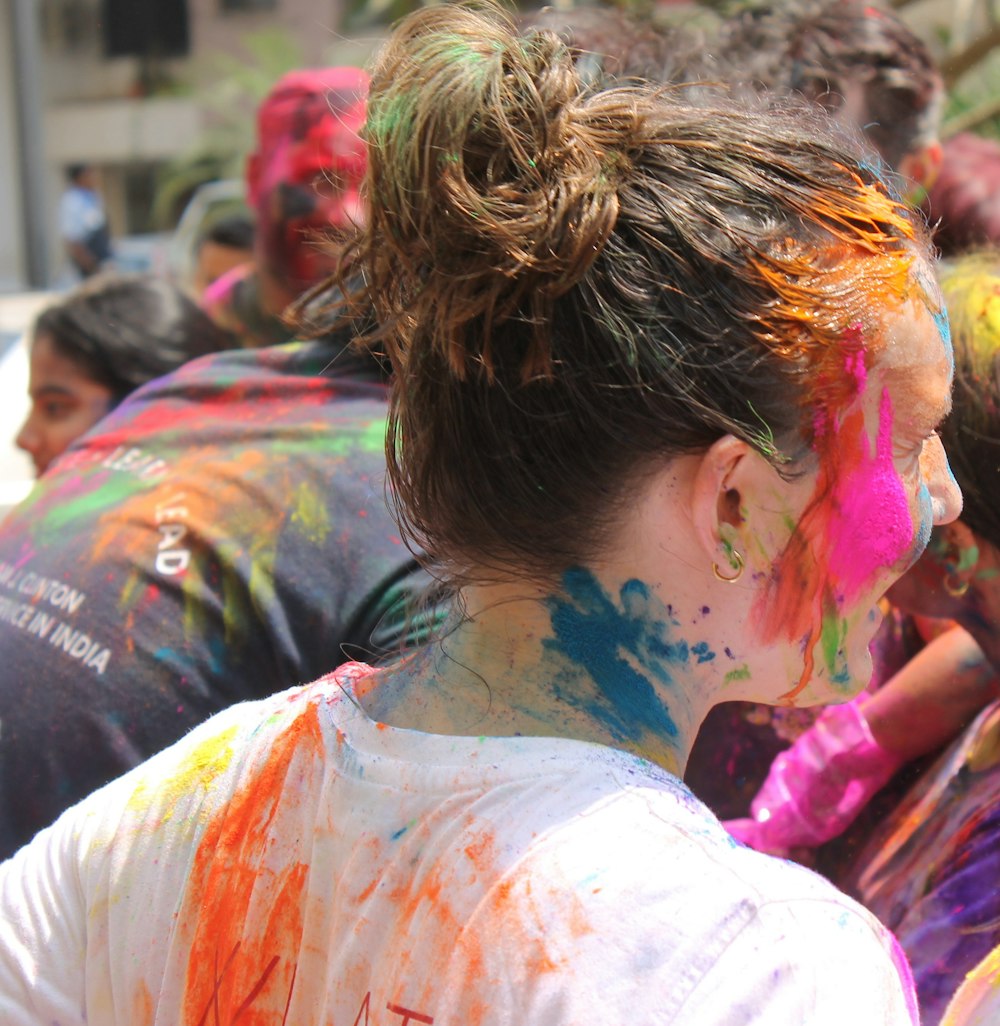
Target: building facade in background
118, 85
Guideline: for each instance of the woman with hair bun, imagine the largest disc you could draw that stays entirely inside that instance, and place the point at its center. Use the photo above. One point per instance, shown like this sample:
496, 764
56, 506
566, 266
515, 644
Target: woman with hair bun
666, 385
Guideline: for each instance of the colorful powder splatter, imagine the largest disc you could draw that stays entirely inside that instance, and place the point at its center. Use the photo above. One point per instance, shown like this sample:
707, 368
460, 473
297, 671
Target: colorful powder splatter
623, 647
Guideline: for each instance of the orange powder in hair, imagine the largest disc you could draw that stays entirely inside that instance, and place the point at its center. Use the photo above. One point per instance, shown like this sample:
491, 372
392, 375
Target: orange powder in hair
817, 293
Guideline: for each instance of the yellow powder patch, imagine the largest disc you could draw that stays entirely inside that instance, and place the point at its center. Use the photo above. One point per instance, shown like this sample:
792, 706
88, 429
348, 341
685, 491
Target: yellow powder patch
196, 772
310, 515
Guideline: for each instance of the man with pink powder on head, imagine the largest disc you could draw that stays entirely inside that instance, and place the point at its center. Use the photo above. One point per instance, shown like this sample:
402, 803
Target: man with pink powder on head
303, 182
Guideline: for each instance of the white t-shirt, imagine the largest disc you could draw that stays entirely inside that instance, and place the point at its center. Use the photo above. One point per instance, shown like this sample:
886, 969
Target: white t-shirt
81, 213
293, 862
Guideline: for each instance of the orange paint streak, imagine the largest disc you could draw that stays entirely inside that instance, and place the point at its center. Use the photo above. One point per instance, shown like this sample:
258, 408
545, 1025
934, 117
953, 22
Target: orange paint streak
808, 665
368, 891
799, 592
482, 851
246, 891
142, 1006
426, 898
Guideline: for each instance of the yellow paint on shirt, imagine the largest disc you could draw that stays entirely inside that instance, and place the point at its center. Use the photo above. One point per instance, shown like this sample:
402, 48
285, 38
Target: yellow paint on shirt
196, 771
311, 516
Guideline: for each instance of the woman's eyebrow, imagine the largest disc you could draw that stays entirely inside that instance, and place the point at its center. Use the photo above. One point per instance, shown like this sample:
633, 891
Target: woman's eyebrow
47, 389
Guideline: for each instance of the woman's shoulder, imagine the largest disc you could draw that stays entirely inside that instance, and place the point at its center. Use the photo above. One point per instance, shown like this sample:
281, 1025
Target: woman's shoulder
650, 889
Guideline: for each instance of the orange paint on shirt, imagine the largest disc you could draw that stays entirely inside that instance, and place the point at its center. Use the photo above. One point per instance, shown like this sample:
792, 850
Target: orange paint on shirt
142, 1007
481, 852
247, 889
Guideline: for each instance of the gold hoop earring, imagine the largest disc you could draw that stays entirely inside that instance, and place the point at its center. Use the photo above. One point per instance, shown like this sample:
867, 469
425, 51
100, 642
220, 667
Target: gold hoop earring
955, 590
740, 567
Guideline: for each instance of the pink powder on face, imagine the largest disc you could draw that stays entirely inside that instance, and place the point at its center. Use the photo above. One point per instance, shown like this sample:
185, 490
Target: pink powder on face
854, 364
871, 526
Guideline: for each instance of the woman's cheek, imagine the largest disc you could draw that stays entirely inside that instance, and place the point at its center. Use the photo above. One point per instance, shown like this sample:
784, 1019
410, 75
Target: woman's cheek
914, 483
871, 534
923, 518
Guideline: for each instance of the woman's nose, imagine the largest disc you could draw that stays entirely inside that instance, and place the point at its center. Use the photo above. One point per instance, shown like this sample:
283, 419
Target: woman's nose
27, 438
946, 496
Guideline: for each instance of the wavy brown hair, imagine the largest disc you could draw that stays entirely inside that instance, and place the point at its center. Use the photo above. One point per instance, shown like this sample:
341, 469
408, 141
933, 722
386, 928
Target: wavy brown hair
575, 285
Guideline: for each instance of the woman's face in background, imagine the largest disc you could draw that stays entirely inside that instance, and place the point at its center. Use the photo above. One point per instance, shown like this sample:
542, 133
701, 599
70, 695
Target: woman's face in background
65, 403
947, 562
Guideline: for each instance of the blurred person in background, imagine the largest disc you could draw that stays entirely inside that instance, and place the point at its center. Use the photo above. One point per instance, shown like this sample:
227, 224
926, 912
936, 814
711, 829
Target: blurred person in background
303, 182
224, 530
856, 60
963, 204
221, 532
83, 224
226, 244
88, 351
613, 43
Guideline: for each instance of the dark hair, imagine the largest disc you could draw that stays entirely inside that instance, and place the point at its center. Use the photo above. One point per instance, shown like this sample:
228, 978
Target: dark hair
573, 286
233, 230
124, 330
76, 171
824, 49
971, 434
611, 43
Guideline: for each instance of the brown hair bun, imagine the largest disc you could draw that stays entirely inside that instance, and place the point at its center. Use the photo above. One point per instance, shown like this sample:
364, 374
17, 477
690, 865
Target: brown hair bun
493, 181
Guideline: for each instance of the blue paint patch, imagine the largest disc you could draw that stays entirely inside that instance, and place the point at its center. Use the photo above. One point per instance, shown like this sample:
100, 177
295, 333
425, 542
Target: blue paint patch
623, 647
843, 676
183, 665
703, 652
943, 326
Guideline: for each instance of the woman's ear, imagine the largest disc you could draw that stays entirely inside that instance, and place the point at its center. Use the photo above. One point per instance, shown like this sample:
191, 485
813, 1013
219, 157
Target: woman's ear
961, 556
717, 502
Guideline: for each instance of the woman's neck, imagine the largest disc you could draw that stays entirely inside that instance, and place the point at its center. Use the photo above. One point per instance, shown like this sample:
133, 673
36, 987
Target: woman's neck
593, 660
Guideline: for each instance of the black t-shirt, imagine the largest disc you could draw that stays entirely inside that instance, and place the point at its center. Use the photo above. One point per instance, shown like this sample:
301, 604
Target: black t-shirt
220, 536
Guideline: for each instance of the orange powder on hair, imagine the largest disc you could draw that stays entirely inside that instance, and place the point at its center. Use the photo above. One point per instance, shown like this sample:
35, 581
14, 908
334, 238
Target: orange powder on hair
818, 294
